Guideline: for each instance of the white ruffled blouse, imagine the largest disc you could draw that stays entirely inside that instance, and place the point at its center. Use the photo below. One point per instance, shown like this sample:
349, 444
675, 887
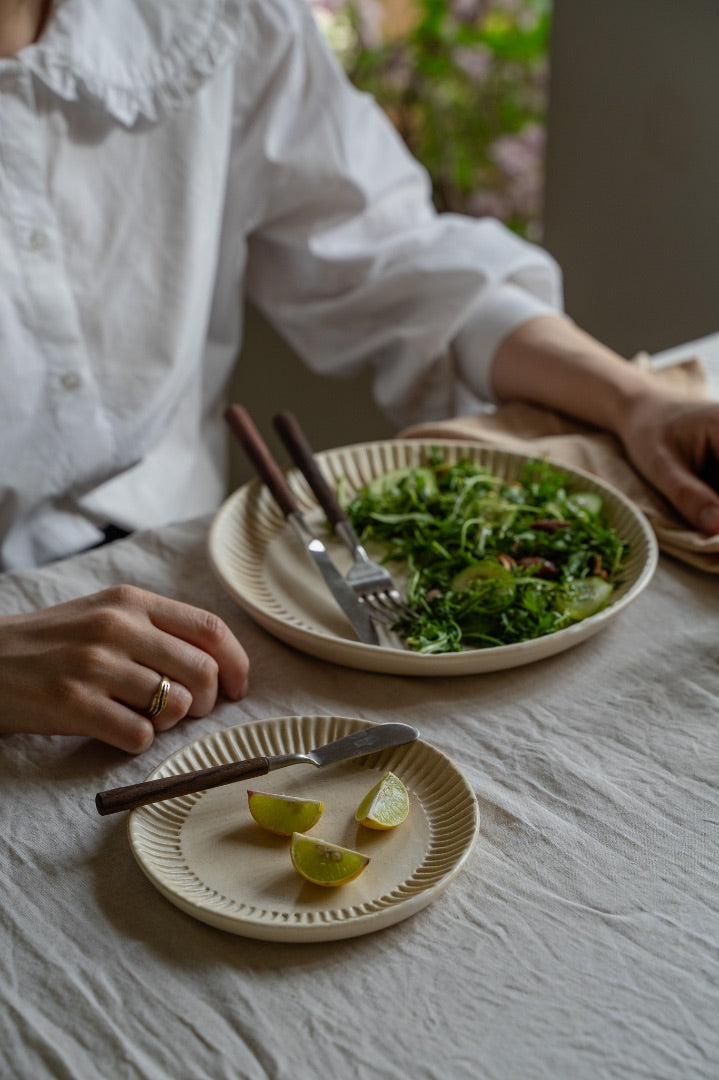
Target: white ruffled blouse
158, 162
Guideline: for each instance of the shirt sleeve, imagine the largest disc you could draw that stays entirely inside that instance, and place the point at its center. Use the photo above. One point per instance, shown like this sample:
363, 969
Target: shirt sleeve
349, 259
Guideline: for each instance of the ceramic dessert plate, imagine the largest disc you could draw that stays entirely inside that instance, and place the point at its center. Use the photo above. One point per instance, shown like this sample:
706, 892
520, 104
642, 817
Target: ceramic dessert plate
205, 854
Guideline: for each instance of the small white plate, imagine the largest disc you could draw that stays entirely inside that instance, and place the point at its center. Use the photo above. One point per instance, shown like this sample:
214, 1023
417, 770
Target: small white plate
206, 855
259, 560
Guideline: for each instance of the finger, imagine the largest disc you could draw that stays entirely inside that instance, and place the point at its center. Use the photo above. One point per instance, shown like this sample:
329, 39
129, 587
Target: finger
179, 705
208, 633
106, 673
185, 665
123, 728
112, 705
193, 647
695, 500
113, 723
138, 689
708, 519
86, 667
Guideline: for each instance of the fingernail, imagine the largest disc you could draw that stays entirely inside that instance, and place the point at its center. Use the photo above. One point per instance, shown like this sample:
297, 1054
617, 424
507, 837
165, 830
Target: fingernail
709, 520
236, 691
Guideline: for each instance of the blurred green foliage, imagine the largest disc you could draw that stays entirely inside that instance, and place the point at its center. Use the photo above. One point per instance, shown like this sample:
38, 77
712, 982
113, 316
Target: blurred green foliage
465, 84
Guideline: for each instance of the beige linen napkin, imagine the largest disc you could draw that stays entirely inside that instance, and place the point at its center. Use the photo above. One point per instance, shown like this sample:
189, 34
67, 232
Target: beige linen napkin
537, 432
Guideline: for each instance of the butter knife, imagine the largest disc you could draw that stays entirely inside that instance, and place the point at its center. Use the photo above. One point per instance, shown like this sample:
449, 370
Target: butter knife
249, 438
365, 741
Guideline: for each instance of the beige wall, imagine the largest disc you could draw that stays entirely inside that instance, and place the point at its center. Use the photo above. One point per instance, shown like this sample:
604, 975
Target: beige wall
632, 199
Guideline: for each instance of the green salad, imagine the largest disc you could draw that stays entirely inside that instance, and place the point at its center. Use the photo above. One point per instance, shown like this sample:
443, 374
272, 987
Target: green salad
489, 561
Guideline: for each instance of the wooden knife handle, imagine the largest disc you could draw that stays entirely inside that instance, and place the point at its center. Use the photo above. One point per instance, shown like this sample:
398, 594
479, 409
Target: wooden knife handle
249, 438
288, 428
168, 787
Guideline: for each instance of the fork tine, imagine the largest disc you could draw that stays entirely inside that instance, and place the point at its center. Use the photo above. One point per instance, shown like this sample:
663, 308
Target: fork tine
387, 606
378, 614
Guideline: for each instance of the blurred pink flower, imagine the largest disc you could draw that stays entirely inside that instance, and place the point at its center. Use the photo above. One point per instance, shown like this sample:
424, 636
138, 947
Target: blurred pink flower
520, 160
520, 153
398, 70
469, 11
475, 62
370, 22
489, 204
525, 193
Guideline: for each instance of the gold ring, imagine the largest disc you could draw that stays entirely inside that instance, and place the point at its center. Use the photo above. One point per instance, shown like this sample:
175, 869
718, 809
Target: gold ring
159, 698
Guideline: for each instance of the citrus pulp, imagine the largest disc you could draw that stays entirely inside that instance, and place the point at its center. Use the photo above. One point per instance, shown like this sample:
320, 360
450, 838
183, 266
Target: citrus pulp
385, 805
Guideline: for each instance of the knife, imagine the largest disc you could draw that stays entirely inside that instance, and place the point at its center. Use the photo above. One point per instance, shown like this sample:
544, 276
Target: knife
288, 428
269, 471
365, 741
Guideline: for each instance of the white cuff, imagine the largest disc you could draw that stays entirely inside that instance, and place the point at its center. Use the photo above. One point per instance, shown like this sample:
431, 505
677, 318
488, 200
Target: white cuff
489, 323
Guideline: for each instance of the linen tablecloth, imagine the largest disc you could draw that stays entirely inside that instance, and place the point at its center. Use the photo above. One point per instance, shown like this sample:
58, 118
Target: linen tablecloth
580, 940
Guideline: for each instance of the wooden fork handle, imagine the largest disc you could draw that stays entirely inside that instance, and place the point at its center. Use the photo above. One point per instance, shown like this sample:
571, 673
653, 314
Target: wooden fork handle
256, 449
168, 787
288, 428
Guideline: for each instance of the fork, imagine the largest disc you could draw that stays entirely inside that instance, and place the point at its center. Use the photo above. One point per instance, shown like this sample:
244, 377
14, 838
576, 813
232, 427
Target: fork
243, 428
371, 582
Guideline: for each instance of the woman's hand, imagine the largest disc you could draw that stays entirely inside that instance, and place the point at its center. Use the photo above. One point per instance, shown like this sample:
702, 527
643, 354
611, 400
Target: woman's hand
92, 666
674, 443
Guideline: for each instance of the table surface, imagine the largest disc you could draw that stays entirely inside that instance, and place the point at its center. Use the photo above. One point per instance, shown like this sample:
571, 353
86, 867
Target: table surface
578, 940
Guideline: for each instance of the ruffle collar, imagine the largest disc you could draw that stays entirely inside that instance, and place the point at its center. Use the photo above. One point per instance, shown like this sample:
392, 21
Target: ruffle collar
135, 58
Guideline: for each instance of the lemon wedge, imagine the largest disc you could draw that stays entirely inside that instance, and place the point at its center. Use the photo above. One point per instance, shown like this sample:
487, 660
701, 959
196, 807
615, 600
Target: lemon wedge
386, 805
324, 863
284, 815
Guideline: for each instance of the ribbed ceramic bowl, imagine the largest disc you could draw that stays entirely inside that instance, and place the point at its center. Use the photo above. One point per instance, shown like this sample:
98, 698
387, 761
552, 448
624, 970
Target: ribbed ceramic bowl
260, 562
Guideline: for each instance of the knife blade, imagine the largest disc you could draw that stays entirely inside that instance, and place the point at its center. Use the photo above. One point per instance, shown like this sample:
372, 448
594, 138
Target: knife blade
249, 438
358, 743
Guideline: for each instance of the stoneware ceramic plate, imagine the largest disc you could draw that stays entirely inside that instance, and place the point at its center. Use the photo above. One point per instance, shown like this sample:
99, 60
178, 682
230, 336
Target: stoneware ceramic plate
206, 855
260, 562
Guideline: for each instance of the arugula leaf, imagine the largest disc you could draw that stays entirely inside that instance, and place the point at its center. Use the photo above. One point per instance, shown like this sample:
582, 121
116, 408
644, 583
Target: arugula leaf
489, 561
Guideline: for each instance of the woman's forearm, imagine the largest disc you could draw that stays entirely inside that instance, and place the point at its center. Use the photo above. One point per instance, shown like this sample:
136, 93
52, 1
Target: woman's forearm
551, 362
672, 440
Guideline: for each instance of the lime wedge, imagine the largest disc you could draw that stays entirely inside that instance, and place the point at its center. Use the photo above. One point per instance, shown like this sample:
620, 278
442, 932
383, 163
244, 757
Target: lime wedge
283, 814
324, 863
385, 806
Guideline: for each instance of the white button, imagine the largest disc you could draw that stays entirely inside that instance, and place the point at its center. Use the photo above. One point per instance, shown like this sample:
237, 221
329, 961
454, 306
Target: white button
71, 380
37, 240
